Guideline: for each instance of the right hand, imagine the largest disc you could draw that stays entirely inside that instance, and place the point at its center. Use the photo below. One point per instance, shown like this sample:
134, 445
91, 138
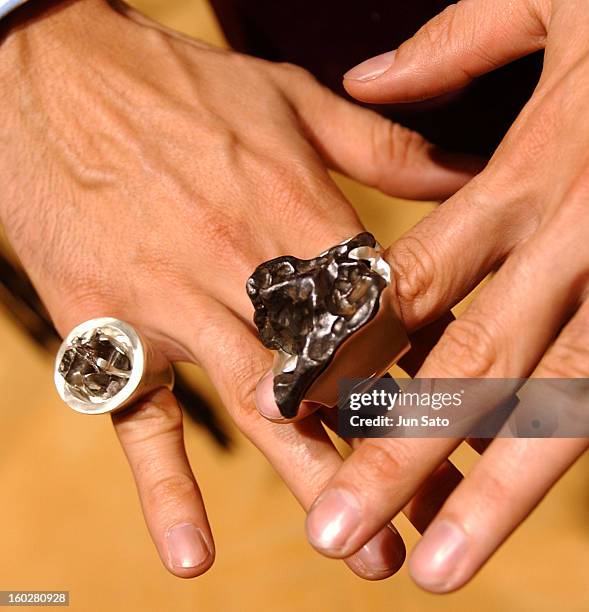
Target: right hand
145, 175
525, 216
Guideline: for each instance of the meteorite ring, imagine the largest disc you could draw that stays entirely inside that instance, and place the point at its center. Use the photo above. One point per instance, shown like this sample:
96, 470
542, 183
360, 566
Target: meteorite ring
106, 365
328, 318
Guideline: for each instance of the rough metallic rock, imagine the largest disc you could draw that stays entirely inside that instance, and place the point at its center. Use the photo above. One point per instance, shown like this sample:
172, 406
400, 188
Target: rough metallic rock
305, 309
96, 368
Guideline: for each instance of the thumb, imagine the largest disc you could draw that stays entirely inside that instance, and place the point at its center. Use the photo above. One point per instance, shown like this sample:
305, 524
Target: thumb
465, 40
373, 150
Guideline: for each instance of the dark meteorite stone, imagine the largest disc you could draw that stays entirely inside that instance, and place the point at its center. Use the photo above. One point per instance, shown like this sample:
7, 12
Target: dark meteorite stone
95, 368
308, 308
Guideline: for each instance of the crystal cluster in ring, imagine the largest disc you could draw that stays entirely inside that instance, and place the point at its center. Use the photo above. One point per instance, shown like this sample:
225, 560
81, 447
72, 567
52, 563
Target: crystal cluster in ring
97, 365
306, 309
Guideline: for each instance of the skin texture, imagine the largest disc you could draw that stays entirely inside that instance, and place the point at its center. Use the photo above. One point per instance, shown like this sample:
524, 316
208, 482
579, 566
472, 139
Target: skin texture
525, 214
145, 175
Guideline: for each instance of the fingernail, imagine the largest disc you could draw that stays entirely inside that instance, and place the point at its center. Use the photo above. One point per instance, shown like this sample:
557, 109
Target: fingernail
332, 521
435, 559
372, 68
186, 546
264, 398
380, 557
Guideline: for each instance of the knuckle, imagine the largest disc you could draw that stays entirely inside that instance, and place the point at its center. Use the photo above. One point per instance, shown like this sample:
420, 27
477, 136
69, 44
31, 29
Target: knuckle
87, 289
436, 31
244, 374
567, 358
86, 297
495, 490
467, 349
540, 10
383, 461
216, 227
392, 142
281, 180
292, 184
413, 268
295, 72
246, 381
287, 180
152, 260
149, 421
222, 138
228, 228
446, 29
171, 489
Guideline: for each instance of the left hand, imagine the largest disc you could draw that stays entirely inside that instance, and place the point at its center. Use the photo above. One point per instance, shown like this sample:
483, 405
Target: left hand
527, 212
144, 175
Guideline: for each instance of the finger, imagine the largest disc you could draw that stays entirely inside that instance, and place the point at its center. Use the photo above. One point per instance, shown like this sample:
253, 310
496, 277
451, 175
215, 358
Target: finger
301, 453
464, 41
431, 493
494, 338
499, 493
374, 483
375, 151
451, 250
151, 435
504, 487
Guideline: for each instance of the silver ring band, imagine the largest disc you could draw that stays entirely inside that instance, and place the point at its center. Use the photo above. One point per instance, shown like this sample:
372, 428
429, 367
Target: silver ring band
105, 365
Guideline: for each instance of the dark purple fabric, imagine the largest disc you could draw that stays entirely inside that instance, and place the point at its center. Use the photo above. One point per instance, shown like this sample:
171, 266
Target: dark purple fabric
330, 36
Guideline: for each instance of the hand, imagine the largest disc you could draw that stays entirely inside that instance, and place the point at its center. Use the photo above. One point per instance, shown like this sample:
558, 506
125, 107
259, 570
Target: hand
526, 213
145, 176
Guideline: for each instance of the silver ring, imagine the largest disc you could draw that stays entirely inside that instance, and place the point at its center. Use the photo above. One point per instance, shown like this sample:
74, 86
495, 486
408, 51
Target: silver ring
105, 365
329, 318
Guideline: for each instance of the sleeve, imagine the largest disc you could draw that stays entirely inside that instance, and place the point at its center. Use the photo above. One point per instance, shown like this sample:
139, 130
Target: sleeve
9, 5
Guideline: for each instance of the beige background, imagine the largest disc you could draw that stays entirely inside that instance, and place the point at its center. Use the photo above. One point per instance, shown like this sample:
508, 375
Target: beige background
69, 517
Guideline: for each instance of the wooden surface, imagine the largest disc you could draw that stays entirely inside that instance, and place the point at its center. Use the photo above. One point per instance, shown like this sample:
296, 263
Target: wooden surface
69, 517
